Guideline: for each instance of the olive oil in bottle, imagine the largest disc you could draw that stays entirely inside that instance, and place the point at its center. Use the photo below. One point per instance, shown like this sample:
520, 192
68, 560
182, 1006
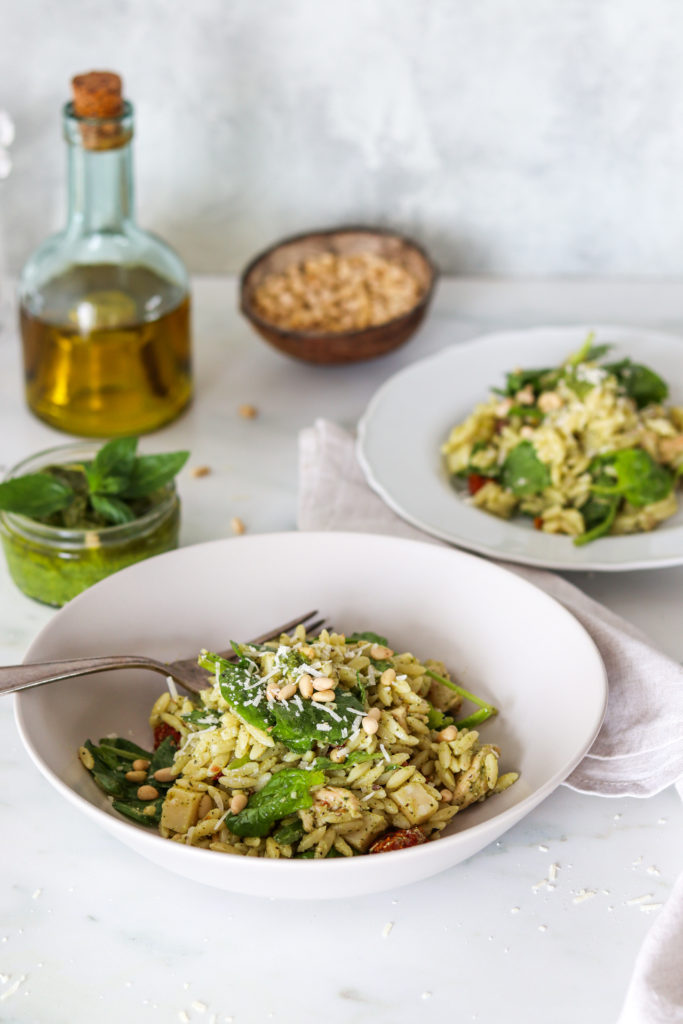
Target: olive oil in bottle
104, 306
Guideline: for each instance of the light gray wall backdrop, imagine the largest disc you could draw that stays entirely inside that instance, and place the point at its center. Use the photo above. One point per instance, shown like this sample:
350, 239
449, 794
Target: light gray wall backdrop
525, 137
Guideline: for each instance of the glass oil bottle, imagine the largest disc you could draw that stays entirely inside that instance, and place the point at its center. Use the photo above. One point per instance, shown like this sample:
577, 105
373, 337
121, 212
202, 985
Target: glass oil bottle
104, 305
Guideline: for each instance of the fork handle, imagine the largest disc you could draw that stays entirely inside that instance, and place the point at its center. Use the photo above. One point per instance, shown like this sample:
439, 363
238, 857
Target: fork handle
23, 677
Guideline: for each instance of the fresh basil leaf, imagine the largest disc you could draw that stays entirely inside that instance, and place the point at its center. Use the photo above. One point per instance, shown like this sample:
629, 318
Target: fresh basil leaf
109, 471
632, 474
371, 638
640, 383
112, 510
150, 472
523, 472
288, 791
36, 495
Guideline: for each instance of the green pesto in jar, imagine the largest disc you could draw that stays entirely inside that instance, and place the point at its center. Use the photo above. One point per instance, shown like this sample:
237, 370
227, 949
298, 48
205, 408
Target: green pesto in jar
106, 509
52, 564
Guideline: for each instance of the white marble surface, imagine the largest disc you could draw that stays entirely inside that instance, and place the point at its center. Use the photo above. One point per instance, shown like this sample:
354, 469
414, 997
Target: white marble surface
90, 931
520, 138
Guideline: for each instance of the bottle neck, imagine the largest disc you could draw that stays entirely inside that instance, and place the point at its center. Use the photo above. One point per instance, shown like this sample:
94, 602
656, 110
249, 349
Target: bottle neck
100, 190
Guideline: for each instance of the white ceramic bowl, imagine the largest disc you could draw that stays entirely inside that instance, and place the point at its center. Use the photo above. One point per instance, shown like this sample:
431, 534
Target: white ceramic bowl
503, 638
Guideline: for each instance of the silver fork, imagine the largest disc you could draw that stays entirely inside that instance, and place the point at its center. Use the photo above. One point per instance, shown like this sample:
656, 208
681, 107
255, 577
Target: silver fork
186, 672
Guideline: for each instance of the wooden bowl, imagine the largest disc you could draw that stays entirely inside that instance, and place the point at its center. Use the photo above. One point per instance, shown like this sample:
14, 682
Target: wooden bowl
340, 346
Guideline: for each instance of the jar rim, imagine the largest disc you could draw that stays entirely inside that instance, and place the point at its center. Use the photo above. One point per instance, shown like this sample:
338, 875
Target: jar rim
64, 536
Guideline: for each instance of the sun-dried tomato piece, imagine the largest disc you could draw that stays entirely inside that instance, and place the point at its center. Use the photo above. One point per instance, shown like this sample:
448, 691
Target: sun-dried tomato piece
538, 522
161, 731
399, 839
475, 481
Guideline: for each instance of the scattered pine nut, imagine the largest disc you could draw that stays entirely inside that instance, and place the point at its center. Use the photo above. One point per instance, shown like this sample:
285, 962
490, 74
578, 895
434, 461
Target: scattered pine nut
338, 754
147, 793
306, 685
324, 683
379, 652
140, 764
136, 776
236, 525
287, 691
323, 695
198, 471
205, 805
86, 758
388, 676
238, 803
447, 734
370, 725
164, 775
446, 795
247, 411
374, 713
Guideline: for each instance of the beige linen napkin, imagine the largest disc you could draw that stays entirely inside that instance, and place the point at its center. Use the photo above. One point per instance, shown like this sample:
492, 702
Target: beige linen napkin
639, 749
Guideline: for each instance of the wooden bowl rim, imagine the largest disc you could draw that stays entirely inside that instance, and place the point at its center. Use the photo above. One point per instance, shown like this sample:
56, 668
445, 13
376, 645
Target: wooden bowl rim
347, 229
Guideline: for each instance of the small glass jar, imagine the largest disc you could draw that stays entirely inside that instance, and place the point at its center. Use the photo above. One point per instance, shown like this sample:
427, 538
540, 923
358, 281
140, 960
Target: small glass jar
52, 564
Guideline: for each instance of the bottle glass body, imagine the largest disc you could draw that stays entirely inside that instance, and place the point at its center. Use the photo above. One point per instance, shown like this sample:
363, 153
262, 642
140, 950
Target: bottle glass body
104, 305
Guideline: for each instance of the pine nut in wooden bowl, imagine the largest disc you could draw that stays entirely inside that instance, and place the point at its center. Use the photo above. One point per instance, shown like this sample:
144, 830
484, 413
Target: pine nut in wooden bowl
338, 296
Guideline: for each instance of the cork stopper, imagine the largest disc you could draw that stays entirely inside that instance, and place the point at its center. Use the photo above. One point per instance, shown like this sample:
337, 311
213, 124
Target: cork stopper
99, 95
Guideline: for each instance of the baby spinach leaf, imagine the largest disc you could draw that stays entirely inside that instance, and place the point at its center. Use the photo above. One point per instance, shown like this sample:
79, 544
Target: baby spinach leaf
137, 810
371, 638
205, 718
36, 495
240, 686
123, 748
381, 664
310, 854
633, 474
540, 380
640, 383
581, 388
354, 758
526, 412
436, 719
237, 762
289, 832
150, 472
285, 793
598, 515
523, 472
361, 689
588, 353
299, 730
163, 756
